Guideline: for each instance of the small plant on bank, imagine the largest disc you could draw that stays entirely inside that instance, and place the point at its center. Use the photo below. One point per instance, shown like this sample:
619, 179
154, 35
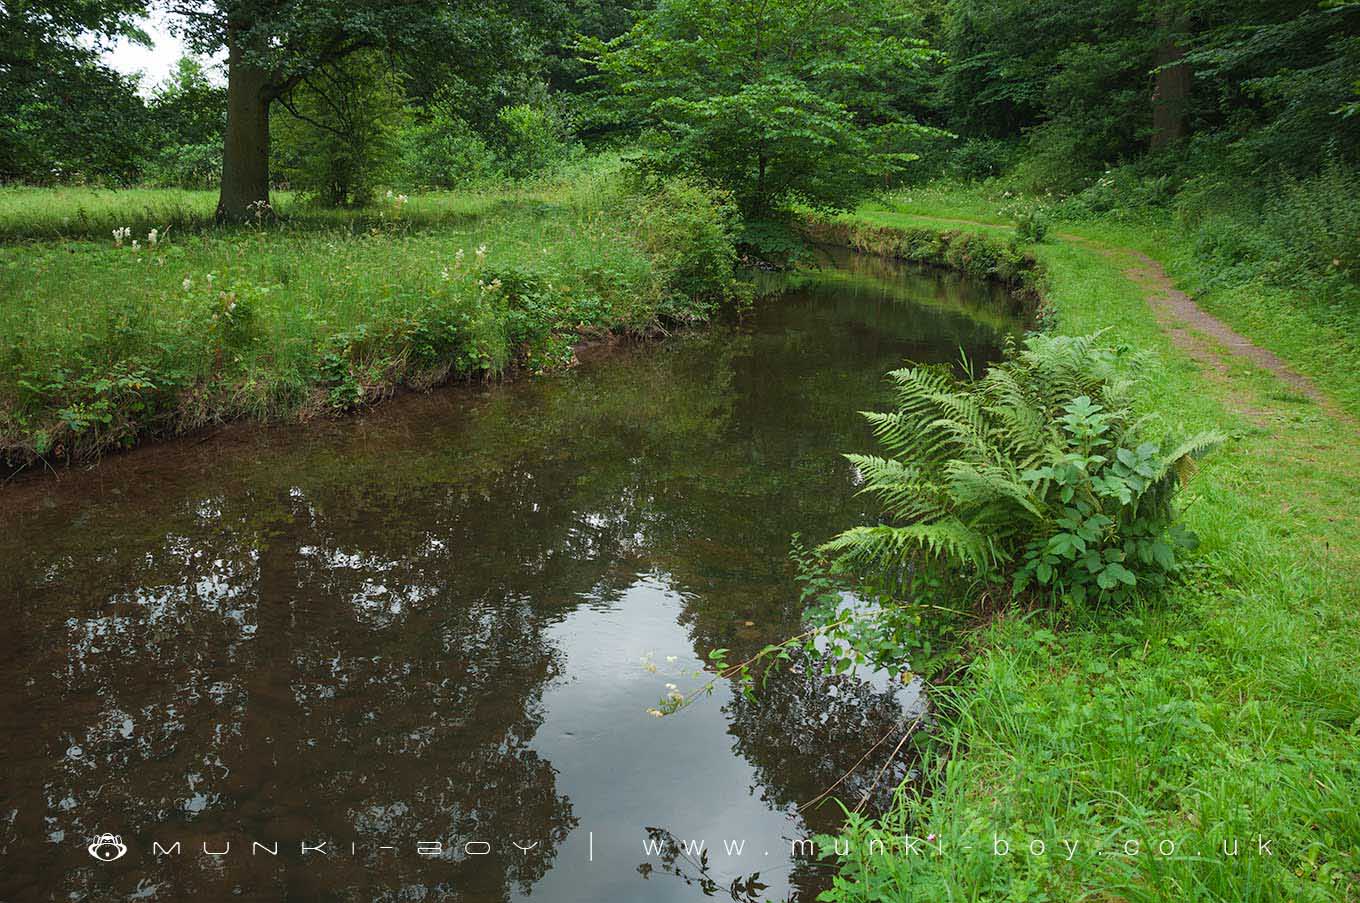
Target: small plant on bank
1036, 480
1031, 225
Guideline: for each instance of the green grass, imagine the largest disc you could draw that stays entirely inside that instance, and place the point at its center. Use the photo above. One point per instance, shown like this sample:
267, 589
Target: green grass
1229, 709
1316, 331
326, 310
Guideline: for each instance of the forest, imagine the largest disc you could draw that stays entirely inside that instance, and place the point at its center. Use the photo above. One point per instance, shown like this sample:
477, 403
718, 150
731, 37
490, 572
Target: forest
1100, 508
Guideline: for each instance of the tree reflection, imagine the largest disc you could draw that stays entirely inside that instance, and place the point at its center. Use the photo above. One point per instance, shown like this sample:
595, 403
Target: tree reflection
344, 638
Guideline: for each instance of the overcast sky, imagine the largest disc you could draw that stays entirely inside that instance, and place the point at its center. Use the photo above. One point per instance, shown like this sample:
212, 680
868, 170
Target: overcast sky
155, 62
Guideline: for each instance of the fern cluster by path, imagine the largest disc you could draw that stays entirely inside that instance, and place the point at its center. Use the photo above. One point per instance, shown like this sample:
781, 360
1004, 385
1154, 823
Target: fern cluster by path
1038, 476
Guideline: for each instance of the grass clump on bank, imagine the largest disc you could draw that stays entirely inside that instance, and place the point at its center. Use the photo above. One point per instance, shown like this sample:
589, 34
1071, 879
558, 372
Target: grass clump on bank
1199, 744
114, 343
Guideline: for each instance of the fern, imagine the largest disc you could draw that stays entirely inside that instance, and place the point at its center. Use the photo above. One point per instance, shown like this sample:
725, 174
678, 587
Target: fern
1038, 475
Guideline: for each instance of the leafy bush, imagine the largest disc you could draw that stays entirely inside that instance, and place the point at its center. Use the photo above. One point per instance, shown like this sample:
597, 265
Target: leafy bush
444, 152
689, 230
1320, 219
528, 140
773, 241
980, 158
1031, 225
779, 104
185, 166
1037, 477
336, 134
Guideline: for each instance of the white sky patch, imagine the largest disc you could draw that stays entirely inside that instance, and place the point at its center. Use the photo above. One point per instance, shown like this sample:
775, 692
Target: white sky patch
156, 62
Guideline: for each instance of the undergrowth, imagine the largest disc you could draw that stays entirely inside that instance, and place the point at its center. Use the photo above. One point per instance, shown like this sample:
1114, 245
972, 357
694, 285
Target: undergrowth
115, 340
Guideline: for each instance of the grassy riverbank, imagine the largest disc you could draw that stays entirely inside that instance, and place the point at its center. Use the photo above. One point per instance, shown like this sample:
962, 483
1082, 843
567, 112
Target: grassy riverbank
1229, 711
1310, 317
116, 341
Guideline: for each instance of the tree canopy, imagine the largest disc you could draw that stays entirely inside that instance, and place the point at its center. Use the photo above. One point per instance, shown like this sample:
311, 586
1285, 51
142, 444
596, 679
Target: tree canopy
776, 101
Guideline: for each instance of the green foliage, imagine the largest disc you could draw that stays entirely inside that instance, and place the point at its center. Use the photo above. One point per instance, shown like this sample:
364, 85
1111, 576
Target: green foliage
689, 229
979, 158
443, 151
786, 101
1031, 225
1037, 475
528, 140
63, 115
81, 124
336, 138
188, 114
185, 166
1281, 75
328, 311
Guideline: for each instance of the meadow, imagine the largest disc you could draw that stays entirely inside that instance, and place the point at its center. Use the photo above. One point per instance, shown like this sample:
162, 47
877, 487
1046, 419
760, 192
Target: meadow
133, 317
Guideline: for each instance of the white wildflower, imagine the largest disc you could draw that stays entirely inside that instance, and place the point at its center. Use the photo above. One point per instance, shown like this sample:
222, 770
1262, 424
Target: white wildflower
187, 283
121, 235
210, 277
151, 238
481, 253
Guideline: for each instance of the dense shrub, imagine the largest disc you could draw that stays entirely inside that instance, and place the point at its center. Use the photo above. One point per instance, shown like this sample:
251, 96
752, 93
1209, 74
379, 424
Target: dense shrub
185, 166
528, 139
1031, 225
444, 152
1037, 478
1319, 218
335, 136
689, 230
980, 158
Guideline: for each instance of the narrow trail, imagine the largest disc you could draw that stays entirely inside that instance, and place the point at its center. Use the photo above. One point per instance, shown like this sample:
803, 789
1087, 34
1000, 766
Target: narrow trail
1208, 341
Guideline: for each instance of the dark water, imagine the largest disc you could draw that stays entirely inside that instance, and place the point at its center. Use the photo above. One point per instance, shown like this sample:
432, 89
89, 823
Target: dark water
444, 622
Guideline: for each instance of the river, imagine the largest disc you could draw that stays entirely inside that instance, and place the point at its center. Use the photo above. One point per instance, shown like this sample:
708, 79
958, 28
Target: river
443, 622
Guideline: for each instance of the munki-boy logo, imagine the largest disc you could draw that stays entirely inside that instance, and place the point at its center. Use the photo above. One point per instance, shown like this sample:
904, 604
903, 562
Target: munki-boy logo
107, 847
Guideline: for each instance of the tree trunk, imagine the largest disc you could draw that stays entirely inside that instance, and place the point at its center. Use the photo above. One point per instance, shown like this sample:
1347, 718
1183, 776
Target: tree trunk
245, 149
1170, 95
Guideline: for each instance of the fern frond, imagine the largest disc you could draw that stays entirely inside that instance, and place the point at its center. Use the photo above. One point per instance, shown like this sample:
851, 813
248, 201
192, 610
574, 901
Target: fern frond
949, 540
1181, 459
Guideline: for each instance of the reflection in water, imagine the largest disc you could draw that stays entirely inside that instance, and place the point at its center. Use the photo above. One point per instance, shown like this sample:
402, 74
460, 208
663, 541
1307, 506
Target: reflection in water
428, 625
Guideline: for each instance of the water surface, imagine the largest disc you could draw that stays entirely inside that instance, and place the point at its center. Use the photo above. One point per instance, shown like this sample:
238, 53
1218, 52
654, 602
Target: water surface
443, 622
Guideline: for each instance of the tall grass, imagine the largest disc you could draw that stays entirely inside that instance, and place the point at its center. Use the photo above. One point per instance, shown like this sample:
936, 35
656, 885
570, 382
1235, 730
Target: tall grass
107, 344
